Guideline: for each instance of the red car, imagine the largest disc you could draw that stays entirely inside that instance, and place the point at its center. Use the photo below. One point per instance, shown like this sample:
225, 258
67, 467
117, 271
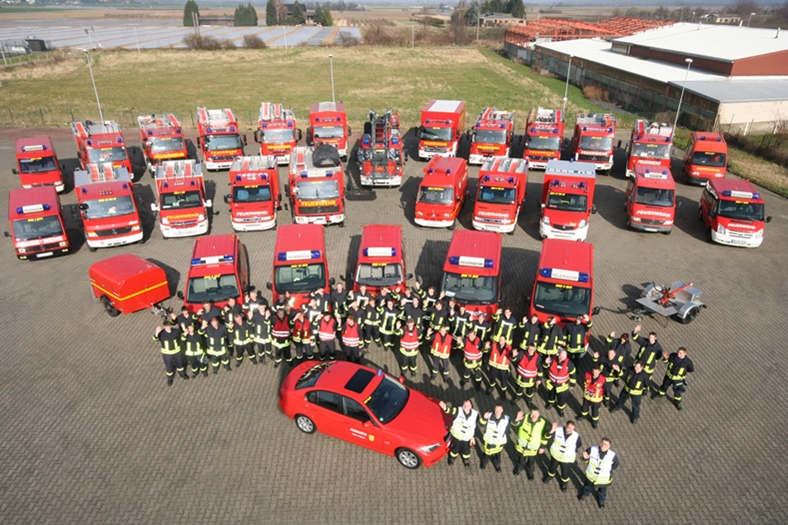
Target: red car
367, 407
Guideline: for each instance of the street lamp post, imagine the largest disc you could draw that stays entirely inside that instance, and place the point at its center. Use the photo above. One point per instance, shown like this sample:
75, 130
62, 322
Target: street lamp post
98, 102
566, 88
681, 97
331, 63
284, 32
749, 19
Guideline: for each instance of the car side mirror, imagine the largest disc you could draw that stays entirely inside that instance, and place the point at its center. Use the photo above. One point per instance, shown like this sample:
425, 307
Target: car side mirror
368, 424
619, 144
409, 276
227, 199
83, 206
209, 203
244, 140
728, 165
332, 281
268, 285
593, 209
418, 133
257, 134
287, 190
14, 171
199, 142
595, 310
6, 234
542, 205
459, 198
349, 131
300, 134
769, 218
179, 294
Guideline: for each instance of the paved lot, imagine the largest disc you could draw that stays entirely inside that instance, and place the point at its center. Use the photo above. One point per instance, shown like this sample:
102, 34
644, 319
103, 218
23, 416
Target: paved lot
91, 434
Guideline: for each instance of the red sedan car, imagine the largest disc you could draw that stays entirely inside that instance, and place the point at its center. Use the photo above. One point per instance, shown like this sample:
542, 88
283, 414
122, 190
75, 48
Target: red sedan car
367, 407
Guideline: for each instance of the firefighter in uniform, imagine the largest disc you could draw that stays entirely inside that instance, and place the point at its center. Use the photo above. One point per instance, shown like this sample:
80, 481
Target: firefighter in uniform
195, 354
437, 316
635, 384
362, 296
388, 315
440, 351
593, 394
230, 310
169, 337
207, 312
322, 301
612, 367
409, 341
411, 308
261, 321
532, 436
563, 453
216, 343
459, 321
242, 337
501, 354
552, 338
650, 350
339, 301
472, 360
532, 332
494, 438
303, 339
351, 339
371, 322
482, 327
560, 378
529, 372
428, 298
575, 336
505, 323
184, 319
326, 333
600, 464
280, 331
621, 345
679, 365
462, 431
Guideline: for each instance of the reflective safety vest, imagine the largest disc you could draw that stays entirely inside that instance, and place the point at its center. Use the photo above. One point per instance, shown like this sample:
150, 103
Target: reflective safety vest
504, 327
215, 338
532, 333
327, 329
302, 331
472, 350
441, 346
262, 328
388, 320
281, 328
529, 436
594, 389
564, 448
463, 427
528, 366
495, 432
169, 341
409, 341
600, 472
559, 372
459, 324
350, 335
499, 357
193, 344
677, 370
576, 337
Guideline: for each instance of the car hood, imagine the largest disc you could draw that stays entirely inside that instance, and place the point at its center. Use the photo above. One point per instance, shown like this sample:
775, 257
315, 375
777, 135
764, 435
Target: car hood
423, 419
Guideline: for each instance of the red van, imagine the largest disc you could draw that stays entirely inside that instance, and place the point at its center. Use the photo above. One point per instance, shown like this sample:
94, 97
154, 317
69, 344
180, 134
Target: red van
36, 163
381, 259
733, 211
300, 265
442, 192
255, 197
472, 271
500, 194
706, 157
219, 269
36, 222
651, 200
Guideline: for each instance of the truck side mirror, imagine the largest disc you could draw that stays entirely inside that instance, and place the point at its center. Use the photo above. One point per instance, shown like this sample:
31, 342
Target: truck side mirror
332, 281
349, 131
543, 205
678, 205
418, 132
83, 206
300, 135
728, 165
154, 207
62, 167
619, 144
180, 295
593, 209
257, 135
769, 218
244, 140
14, 171
6, 234
209, 203
268, 285
227, 199
199, 142
595, 310
287, 190
408, 276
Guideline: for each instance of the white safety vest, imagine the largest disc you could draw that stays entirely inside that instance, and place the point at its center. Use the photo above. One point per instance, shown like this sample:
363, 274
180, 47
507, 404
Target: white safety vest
600, 472
495, 433
564, 449
464, 426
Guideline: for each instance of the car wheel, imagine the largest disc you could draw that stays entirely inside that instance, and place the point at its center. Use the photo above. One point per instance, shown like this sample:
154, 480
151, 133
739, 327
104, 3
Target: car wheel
111, 310
692, 313
700, 214
304, 424
408, 458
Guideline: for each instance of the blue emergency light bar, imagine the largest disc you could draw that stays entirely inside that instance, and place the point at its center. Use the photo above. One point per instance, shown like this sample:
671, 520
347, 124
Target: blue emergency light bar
471, 261
213, 260
564, 275
380, 252
298, 255
395, 141
33, 208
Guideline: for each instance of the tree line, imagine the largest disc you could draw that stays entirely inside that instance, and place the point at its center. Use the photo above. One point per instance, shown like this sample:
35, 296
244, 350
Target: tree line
276, 13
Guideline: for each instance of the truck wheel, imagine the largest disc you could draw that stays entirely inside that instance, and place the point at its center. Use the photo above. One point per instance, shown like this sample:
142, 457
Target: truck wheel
629, 225
667, 232
453, 225
708, 236
108, 306
692, 313
700, 214
408, 458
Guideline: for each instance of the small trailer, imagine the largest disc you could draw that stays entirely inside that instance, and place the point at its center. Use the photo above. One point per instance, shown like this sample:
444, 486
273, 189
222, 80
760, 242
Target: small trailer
680, 299
127, 283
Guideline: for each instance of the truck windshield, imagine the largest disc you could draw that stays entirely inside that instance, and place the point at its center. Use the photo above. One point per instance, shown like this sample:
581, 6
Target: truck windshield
489, 136
562, 299
222, 142
443, 134
272, 136
654, 197
299, 278
108, 207
544, 143
565, 202
742, 210
38, 228
218, 288
651, 150
433, 195
591, 143
116, 154
388, 400
311, 190
496, 195
166, 144
706, 158
329, 132
37, 164
181, 199
379, 274
251, 194
469, 288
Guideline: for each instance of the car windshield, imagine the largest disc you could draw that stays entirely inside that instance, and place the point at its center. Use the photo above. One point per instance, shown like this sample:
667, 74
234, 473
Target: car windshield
654, 197
116, 154
179, 200
222, 142
470, 288
434, 195
496, 195
252, 193
37, 164
544, 143
108, 207
37, 228
388, 400
443, 134
311, 376
217, 288
562, 299
564, 202
311, 190
272, 136
379, 274
165, 144
707, 158
299, 278
742, 210
651, 150
589, 142
328, 132
489, 136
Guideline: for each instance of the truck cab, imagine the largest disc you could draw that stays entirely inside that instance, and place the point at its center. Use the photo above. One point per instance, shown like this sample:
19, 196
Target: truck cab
567, 200
101, 142
706, 157
381, 259
651, 145
328, 125
36, 219
37, 164
500, 194
441, 192
651, 200
593, 139
181, 203
219, 269
277, 131
105, 196
544, 136
300, 264
380, 156
472, 271
492, 135
316, 186
218, 138
733, 212
254, 197
162, 139
442, 122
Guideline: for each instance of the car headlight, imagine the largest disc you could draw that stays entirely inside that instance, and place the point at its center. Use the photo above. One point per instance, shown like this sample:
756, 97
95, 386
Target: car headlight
92, 234
201, 217
430, 448
135, 228
582, 224
64, 243
668, 223
636, 219
506, 221
721, 229
419, 213
22, 250
165, 221
546, 220
759, 233
447, 215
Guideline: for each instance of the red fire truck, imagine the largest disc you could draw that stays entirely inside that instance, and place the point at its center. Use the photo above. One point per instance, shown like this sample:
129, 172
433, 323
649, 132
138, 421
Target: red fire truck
651, 144
733, 212
101, 143
277, 131
328, 125
442, 192
544, 137
472, 271
255, 197
567, 200
651, 200
593, 139
500, 194
218, 138
37, 225
706, 157
37, 164
109, 210
300, 265
181, 203
162, 139
564, 282
442, 122
316, 186
492, 135
381, 259
219, 270
380, 155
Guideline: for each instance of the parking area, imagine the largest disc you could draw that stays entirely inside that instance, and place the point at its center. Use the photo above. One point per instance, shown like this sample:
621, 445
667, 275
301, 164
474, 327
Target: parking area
91, 434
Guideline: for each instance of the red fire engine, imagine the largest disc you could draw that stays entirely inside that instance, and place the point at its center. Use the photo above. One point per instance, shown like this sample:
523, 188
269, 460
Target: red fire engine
544, 137
162, 139
472, 271
651, 200
651, 144
37, 225
500, 193
567, 200
219, 270
492, 135
182, 206
380, 155
381, 259
706, 157
442, 192
316, 186
101, 143
328, 125
255, 197
442, 122
277, 131
733, 212
218, 138
593, 139
37, 164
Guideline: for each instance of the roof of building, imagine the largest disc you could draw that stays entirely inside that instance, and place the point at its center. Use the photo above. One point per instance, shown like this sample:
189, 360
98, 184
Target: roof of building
740, 90
713, 41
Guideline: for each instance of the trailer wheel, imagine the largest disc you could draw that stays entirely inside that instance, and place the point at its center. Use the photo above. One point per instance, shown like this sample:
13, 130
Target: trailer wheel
108, 306
692, 313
